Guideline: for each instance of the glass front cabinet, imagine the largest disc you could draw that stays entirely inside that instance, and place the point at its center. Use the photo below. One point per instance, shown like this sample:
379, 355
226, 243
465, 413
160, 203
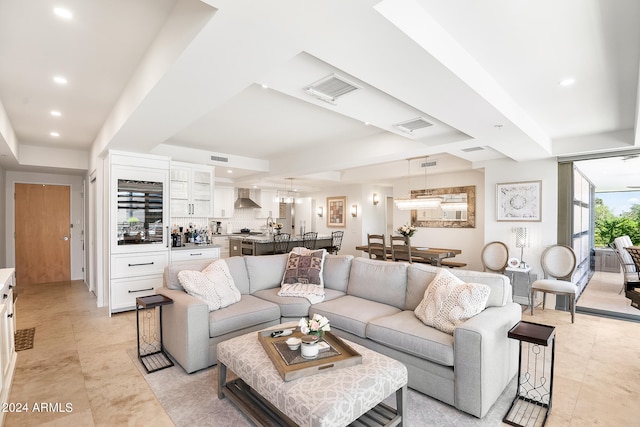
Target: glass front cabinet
139, 232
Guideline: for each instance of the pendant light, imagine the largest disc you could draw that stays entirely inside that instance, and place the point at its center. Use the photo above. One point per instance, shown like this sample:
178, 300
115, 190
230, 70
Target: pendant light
421, 201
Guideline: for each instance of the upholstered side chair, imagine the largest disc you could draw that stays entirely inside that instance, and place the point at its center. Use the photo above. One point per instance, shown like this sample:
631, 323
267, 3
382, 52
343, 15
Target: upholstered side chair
558, 264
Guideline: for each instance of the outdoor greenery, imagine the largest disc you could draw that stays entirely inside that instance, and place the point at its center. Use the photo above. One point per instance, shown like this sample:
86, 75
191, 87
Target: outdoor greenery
609, 226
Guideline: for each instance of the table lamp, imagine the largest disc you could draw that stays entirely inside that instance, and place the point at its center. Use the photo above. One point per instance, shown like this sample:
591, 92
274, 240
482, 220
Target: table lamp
522, 241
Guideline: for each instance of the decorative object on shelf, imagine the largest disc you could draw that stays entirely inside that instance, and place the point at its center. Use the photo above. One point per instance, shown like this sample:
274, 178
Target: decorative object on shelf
336, 211
407, 230
309, 348
420, 201
513, 262
519, 201
522, 241
317, 326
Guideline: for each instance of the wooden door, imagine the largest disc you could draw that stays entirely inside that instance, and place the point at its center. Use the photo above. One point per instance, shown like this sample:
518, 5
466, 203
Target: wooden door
43, 239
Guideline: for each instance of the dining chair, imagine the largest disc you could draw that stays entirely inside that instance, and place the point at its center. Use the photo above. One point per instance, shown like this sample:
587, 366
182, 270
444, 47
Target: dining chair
336, 242
281, 243
400, 248
309, 239
558, 264
377, 246
494, 257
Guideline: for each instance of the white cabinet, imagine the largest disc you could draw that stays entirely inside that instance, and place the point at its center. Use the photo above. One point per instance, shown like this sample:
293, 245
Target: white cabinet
269, 204
8, 355
140, 239
223, 200
191, 190
223, 242
195, 254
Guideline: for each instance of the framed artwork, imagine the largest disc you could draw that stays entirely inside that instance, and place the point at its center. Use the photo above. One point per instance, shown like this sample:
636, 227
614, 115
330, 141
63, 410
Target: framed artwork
519, 201
336, 211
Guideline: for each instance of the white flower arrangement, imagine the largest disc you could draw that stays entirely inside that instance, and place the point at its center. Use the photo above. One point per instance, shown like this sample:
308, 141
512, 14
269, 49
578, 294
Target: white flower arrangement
407, 230
317, 325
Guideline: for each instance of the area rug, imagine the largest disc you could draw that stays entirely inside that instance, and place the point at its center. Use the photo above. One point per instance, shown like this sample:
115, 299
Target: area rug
192, 400
23, 339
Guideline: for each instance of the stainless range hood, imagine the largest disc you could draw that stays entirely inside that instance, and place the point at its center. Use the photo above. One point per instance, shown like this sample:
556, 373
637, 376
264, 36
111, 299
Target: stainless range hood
244, 199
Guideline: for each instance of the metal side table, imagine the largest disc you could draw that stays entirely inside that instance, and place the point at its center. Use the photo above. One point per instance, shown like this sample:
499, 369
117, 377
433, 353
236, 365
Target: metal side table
149, 327
532, 403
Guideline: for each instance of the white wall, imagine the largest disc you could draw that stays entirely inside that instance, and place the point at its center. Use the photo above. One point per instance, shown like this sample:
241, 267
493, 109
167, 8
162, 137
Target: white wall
542, 233
76, 208
469, 240
3, 230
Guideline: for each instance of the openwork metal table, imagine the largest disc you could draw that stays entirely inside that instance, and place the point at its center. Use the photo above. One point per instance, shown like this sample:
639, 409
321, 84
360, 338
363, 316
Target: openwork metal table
532, 403
149, 327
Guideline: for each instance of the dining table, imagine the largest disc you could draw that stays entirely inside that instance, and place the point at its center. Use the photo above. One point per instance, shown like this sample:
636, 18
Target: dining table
423, 254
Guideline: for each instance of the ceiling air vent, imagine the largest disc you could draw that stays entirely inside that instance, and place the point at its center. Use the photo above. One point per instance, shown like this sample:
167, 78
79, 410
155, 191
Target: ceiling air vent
413, 125
470, 149
220, 159
331, 88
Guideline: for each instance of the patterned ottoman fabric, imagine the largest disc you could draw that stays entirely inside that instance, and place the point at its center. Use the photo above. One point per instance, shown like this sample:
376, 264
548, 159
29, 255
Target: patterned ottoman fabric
331, 398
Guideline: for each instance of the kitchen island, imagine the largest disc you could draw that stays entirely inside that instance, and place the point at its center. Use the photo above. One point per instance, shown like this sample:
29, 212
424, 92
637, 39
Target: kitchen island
262, 244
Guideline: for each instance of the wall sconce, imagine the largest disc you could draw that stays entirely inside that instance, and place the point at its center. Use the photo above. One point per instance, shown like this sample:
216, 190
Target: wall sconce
354, 210
320, 211
376, 199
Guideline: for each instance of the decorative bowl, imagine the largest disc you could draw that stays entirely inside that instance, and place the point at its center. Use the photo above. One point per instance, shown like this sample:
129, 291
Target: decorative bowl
293, 343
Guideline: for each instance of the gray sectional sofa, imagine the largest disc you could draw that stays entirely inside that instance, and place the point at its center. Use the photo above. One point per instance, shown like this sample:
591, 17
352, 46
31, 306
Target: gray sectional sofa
369, 302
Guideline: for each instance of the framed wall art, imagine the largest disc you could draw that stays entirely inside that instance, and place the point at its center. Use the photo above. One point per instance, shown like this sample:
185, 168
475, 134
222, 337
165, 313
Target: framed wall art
519, 201
336, 211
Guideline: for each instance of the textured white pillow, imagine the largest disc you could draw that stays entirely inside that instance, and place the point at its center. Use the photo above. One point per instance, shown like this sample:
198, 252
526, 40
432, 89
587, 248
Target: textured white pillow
449, 301
214, 285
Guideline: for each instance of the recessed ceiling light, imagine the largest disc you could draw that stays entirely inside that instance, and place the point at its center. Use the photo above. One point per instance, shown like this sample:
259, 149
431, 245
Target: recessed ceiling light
54, 134
60, 80
229, 171
62, 12
56, 113
567, 82
264, 86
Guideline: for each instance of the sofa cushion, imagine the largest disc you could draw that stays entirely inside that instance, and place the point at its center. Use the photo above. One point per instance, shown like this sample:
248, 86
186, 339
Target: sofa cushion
336, 272
448, 301
238, 270
420, 275
352, 314
246, 313
170, 274
304, 266
380, 281
265, 271
213, 285
405, 332
289, 306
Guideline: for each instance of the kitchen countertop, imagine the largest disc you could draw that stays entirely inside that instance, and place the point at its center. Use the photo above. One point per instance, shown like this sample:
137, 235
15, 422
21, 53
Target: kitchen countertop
187, 246
268, 238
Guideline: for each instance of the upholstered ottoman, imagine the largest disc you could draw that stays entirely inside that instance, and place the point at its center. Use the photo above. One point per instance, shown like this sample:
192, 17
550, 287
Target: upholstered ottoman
333, 398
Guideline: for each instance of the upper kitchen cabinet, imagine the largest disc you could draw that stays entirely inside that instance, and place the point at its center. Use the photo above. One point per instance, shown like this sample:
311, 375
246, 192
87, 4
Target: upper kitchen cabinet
191, 190
223, 199
270, 204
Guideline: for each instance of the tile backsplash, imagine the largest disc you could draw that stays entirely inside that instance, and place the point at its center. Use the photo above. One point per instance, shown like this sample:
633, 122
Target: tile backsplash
242, 218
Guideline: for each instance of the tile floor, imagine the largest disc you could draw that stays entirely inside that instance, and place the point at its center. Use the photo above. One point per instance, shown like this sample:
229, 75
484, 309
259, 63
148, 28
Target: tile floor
80, 357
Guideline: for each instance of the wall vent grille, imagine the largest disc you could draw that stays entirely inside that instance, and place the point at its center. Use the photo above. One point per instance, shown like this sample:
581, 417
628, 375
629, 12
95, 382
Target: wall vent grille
220, 159
470, 149
412, 125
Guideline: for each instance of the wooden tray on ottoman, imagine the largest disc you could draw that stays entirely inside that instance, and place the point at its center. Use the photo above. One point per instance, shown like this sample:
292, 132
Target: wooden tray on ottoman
291, 365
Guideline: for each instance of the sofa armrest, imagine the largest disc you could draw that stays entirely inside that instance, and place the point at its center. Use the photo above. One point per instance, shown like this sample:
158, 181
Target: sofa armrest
485, 359
185, 329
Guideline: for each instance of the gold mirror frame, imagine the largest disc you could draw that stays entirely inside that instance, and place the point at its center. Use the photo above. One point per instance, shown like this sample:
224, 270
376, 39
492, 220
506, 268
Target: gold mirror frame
470, 222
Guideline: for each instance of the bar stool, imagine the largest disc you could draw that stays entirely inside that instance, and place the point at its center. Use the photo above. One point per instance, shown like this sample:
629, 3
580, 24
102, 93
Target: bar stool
281, 243
309, 239
336, 242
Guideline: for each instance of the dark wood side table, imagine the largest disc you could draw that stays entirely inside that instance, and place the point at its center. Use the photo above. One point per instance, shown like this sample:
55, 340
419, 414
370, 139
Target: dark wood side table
532, 403
149, 328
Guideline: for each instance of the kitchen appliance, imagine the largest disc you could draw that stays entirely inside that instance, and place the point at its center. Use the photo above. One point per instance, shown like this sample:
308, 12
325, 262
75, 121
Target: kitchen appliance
244, 199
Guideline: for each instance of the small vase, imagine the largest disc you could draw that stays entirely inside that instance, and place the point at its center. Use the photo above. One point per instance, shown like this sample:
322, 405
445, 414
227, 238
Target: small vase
319, 334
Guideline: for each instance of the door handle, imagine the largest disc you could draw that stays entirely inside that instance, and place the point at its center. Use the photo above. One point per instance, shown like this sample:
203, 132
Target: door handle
65, 238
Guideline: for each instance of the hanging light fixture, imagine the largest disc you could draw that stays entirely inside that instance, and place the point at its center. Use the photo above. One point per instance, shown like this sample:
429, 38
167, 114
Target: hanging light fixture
422, 201
288, 195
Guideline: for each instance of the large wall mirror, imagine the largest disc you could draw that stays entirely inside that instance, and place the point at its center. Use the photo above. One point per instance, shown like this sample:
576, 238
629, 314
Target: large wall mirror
454, 207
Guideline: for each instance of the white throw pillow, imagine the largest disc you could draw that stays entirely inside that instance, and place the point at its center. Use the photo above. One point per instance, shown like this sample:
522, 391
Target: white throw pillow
449, 301
214, 285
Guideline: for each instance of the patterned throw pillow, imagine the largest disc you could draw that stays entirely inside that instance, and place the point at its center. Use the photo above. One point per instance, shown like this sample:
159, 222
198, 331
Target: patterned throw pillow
449, 301
213, 285
304, 266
